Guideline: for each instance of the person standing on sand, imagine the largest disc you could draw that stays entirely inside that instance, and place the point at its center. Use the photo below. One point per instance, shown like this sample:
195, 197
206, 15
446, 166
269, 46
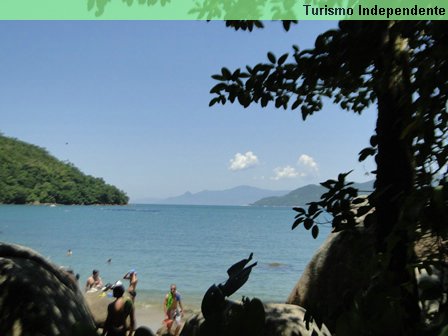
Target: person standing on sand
172, 307
117, 314
94, 281
132, 277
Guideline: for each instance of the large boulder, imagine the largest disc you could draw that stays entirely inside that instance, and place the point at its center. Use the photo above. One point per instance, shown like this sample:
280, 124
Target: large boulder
38, 298
345, 264
97, 302
280, 320
340, 268
288, 320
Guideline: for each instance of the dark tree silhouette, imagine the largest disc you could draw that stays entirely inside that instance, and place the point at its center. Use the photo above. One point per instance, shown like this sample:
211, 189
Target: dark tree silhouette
401, 66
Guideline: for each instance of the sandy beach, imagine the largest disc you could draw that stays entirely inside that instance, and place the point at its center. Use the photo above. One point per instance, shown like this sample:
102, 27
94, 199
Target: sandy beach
152, 317
148, 314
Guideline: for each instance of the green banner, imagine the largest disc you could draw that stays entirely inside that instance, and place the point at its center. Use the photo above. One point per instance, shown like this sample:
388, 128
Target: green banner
223, 10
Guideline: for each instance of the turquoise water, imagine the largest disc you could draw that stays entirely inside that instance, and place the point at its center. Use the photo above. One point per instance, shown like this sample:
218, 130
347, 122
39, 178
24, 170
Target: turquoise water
191, 246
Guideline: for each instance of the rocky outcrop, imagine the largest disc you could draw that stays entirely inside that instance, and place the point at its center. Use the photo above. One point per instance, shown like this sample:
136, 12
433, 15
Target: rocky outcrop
38, 298
280, 320
336, 271
97, 303
343, 266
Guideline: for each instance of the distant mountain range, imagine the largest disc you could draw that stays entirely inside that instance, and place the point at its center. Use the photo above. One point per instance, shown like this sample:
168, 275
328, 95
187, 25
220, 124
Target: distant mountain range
246, 195
242, 195
306, 194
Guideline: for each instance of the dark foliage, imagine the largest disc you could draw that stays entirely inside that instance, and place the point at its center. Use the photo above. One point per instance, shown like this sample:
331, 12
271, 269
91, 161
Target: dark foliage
403, 68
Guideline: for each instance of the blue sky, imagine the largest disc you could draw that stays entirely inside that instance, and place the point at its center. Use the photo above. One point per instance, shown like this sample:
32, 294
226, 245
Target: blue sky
128, 101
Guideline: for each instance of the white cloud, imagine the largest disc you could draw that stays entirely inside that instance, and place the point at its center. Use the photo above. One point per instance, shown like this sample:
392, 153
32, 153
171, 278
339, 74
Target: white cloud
306, 166
285, 172
308, 162
243, 161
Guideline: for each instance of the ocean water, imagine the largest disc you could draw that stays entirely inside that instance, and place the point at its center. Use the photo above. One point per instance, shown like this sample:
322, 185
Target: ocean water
191, 246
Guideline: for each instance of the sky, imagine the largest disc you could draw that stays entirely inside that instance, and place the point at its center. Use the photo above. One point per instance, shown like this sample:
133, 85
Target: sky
127, 101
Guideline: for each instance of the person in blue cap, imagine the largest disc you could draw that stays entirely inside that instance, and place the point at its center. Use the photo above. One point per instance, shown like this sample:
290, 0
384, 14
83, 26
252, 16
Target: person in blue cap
132, 277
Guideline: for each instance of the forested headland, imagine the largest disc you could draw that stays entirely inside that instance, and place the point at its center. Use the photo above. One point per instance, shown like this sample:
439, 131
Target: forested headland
29, 174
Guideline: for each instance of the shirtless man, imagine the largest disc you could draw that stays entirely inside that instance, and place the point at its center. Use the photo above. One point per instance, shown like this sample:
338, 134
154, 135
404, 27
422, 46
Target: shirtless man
94, 281
132, 277
171, 306
117, 314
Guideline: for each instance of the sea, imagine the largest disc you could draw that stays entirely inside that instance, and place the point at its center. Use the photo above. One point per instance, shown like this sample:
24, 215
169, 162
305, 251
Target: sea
190, 246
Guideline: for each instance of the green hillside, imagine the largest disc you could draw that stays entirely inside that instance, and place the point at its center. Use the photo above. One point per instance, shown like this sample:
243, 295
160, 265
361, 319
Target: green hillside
306, 194
29, 174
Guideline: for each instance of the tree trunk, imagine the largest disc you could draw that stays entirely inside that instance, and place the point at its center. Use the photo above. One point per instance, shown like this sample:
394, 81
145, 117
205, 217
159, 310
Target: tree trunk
395, 175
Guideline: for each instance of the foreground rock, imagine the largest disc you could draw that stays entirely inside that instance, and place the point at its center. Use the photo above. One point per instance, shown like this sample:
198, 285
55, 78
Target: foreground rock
97, 303
280, 320
343, 267
336, 271
37, 298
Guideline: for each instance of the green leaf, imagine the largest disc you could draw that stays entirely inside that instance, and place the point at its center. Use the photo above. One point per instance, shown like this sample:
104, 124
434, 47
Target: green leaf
328, 184
315, 231
296, 223
218, 87
236, 74
342, 176
244, 99
287, 24
226, 73
299, 210
264, 101
282, 59
312, 208
365, 153
271, 57
278, 102
296, 103
359, 200
223, 99
218, 77
258, 24
308, 223
363, 210
214, 101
